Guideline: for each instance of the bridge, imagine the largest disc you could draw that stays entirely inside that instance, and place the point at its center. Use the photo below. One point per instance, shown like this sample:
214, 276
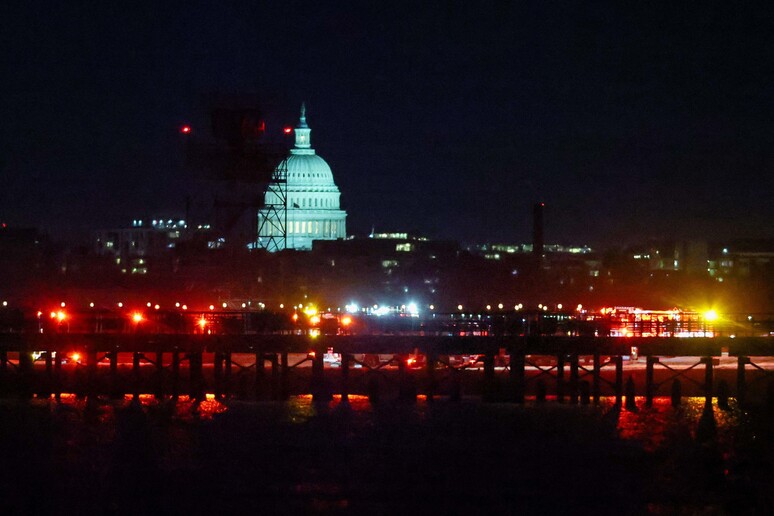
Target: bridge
574, 369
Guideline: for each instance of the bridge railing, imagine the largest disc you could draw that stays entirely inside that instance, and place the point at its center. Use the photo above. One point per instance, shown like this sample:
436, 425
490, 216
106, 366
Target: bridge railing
483, 324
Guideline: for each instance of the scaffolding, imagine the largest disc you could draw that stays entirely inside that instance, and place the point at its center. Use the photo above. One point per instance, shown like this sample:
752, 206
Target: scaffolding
273, 216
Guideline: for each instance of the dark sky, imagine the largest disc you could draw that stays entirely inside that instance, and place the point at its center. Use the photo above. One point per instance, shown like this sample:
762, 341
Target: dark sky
448, 118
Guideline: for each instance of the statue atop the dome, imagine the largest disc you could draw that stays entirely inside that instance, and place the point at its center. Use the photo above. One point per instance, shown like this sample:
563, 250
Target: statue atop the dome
302, 121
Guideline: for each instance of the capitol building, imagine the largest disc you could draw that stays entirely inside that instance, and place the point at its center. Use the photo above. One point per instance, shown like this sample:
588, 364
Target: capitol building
311, 200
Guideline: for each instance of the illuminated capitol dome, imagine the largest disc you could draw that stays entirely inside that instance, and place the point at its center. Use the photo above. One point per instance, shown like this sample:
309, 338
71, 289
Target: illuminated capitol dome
313, 211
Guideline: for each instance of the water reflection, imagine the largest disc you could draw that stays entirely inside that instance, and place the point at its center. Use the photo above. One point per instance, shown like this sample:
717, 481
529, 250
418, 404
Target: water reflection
654, 426
323, 456
651, 426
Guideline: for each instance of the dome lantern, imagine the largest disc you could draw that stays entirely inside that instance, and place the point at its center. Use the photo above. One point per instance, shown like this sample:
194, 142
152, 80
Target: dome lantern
303, 133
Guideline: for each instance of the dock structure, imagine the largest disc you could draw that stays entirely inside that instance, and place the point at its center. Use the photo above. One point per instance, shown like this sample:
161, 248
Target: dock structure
503, 368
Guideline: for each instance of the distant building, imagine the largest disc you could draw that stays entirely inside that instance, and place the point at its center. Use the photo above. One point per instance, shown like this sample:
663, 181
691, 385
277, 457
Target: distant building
500, 251
313, 209
688, 256
145, 240
743, 259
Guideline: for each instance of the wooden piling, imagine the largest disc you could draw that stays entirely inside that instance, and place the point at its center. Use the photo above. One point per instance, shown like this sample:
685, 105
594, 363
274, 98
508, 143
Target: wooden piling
91, 374
517, 366
49, 383
560, 377
175, 390
490, 386
650, 362
218, 374
707, 379
319, 391
136, 356
196, 377
58, 376
345, 359
618, 380
284, 376
574, 378
741, 386
227, 387
631, 403
159, 380
596, 377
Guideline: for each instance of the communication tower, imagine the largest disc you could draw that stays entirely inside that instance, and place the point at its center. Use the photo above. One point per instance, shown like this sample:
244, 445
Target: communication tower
272, 232
242, 165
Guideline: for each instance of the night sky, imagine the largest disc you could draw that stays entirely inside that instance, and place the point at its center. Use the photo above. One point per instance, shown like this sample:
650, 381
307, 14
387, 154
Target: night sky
449, 119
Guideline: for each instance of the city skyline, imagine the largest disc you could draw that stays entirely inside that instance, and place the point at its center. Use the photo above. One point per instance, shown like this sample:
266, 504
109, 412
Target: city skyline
448, 121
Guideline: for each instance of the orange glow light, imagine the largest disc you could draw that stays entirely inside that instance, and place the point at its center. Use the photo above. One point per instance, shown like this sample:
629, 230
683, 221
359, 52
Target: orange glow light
295, 317
346, 321
202, 323
137, 317
76, 357
61, 315
315, 320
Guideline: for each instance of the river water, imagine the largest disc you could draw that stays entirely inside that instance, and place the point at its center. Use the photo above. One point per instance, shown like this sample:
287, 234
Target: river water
432, 457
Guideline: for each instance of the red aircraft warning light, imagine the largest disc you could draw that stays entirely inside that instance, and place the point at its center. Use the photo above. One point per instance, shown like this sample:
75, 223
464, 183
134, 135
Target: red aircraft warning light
287, 130
185, 129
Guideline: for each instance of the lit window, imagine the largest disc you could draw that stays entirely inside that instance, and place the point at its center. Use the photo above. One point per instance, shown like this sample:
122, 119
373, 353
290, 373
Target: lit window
303, 226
